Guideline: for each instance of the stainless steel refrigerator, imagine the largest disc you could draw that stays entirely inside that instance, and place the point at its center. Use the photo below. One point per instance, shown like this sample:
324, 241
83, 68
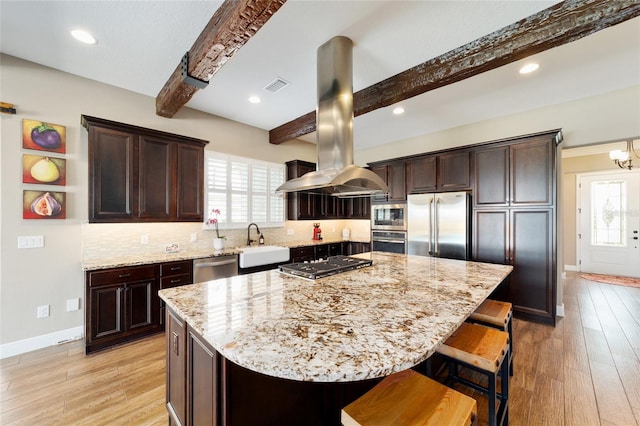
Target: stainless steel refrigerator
438, 225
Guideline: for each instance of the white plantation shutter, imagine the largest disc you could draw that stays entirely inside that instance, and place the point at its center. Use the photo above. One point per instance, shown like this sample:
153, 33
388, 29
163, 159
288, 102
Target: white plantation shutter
244, 190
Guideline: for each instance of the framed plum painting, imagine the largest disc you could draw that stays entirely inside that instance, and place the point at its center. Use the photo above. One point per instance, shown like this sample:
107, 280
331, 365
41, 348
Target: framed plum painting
43, 136
44, 170
43, 205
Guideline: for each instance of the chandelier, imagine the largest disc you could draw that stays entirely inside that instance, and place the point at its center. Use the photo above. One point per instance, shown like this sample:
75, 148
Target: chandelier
623, 158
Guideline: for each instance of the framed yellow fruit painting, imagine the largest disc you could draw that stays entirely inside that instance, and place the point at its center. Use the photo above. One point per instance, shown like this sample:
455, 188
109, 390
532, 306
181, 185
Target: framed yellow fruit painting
44, 170
43, 205
44, 136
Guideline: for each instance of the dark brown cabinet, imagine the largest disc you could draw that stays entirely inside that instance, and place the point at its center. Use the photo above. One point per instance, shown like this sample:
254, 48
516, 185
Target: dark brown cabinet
122, 305
514, 219
444, 172
394, 175
518, 174
176, 389
300, 205
174, 274
143, 175
316, 252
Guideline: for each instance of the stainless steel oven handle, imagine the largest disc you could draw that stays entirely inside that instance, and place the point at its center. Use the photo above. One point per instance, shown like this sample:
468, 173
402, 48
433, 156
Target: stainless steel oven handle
384, 240
209, 264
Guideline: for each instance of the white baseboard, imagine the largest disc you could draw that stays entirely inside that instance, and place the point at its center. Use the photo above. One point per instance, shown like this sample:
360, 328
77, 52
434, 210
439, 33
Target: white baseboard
571, 268
560, 310
39, 342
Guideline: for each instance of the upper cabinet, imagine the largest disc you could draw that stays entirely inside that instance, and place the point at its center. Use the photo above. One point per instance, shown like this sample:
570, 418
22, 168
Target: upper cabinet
394, 175
143, 175
516, 174
443, 172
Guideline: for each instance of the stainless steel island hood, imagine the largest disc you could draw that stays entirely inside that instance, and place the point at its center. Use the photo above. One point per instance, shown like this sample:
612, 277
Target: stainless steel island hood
336, 173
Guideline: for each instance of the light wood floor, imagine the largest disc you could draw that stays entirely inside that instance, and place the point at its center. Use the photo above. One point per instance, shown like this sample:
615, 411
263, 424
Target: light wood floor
585, 371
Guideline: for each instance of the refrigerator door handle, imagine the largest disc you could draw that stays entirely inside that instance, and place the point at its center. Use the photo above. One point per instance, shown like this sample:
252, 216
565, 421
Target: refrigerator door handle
436, 225
430, 224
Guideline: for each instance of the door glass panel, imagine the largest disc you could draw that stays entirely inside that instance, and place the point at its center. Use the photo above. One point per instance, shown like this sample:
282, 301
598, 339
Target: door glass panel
608, 202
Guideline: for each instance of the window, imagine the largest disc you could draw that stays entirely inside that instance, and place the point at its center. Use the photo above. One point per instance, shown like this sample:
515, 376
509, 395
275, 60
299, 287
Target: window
243, 190
608, 200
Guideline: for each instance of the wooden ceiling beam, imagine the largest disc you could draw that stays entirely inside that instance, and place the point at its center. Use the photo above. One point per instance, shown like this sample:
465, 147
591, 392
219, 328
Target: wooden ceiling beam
560, 24
230, 27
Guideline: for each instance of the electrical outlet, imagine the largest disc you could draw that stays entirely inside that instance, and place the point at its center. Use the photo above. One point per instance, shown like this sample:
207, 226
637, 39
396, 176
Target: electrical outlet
73, 304
289, 232
172, 248
194, 237
31, 241
43, 311
144, 239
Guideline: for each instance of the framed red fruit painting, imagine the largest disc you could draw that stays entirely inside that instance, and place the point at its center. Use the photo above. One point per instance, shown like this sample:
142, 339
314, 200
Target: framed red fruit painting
44, 136
43, 205
39, 169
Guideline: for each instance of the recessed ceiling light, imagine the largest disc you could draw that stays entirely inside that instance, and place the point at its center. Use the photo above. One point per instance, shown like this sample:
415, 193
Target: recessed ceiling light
531, 67
254, 100
83, 36
398, 110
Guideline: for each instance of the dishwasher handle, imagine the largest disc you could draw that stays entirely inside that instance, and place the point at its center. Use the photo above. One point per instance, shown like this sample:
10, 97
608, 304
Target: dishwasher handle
220, 263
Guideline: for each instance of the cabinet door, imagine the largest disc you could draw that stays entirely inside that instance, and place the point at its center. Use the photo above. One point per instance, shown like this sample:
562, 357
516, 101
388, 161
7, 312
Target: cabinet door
189, 185
335, 249
106, 306
453, 171
202, 390
111, 175
300, 205
491, 168
532, 280
176, 369
322, 251
421, 175
143, 304
491, 243
532, 168
302, 254
155, 190
381, 170
397, 181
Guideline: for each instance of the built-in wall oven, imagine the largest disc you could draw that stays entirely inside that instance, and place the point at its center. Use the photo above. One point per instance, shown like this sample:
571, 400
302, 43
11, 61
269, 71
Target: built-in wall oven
389, 241
389, 228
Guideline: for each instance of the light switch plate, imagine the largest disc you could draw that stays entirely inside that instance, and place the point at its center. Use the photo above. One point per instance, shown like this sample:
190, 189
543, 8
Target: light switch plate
31, 241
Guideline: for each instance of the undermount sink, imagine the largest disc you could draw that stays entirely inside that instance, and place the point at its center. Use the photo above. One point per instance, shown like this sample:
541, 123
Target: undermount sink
263, 255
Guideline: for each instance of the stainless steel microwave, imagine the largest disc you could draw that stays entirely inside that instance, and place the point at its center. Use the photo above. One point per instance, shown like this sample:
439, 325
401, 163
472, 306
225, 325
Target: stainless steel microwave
390, 217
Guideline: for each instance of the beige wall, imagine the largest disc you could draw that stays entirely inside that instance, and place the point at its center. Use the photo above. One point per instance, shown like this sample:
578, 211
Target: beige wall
50, 275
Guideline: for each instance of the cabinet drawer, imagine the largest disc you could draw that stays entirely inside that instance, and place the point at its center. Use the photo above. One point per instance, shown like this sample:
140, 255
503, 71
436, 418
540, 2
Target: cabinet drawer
322, 251
176, 268
175, 281
122, 275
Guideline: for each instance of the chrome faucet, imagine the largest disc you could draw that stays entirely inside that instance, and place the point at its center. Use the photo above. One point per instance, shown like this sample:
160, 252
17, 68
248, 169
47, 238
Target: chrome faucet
249, 240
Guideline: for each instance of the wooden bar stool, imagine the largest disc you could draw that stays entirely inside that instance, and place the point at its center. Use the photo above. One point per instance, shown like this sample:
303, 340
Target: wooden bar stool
409, 398
494, 313
485, 350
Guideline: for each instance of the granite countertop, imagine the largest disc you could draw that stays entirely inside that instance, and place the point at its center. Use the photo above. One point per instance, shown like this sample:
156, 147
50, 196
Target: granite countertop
353, 326
123, 261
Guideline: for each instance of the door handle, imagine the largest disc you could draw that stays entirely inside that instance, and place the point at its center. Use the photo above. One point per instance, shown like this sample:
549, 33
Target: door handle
430, 224
436, 225
208, 264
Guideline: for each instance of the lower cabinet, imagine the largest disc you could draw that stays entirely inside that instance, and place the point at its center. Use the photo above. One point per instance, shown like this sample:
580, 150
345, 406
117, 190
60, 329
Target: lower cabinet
523, 238
122, 305
316, 252
193, 369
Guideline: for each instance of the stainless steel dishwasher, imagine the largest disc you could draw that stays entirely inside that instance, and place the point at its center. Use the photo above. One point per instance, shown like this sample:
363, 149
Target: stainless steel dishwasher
212, 268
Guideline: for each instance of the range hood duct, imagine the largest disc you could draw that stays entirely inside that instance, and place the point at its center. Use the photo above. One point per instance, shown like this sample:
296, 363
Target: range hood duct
336, 174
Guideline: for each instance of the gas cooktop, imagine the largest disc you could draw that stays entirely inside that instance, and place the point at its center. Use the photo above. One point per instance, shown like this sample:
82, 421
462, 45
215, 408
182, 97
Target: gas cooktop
324, 268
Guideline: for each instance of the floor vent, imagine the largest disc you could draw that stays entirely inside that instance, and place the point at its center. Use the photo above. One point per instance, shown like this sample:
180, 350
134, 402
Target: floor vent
276, 85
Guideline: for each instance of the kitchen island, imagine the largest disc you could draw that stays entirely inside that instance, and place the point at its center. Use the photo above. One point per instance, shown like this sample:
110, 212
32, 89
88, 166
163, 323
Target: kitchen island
269, 348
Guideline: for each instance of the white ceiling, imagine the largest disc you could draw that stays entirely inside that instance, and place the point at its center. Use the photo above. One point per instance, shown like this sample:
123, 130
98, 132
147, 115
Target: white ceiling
140, 43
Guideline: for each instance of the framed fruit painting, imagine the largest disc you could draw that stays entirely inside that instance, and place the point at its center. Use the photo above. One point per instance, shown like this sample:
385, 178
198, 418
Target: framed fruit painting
44, 170
43, 205
43, 136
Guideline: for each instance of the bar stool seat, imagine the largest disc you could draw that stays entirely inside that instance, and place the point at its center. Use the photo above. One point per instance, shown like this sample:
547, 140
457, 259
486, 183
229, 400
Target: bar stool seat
482, 349
409, 398
494, 313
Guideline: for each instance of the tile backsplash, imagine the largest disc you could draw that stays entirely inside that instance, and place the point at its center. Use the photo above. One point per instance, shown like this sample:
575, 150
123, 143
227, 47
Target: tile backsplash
108, 240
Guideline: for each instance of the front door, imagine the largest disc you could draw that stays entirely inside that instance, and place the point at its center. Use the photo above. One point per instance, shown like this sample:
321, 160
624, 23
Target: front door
609, 223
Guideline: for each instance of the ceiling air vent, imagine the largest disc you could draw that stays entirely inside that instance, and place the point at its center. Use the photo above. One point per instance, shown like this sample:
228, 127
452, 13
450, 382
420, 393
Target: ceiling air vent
276, 85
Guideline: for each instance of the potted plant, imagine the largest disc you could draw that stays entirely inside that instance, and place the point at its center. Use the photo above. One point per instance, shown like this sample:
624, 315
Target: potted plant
213, 220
